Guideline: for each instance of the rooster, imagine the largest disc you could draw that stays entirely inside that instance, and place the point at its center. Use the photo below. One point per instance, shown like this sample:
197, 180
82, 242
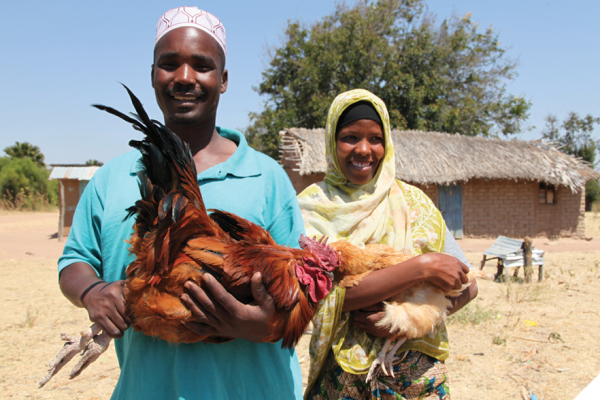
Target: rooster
175, 240
410, 314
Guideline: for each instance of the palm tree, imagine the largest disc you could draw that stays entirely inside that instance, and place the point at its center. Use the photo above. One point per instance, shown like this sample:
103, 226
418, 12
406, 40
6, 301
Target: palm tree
26, 150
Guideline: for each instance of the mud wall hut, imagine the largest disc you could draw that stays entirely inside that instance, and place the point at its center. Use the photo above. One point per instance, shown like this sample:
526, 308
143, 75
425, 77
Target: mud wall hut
72, 180
483, 187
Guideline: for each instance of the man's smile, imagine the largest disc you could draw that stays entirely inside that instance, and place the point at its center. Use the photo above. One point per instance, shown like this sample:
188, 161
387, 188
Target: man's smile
185, 98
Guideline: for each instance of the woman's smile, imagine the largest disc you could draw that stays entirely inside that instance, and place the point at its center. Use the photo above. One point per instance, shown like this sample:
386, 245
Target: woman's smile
360, 148
361, 165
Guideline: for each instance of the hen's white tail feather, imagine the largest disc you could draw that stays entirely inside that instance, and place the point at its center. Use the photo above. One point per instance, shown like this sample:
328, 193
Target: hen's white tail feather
415, 312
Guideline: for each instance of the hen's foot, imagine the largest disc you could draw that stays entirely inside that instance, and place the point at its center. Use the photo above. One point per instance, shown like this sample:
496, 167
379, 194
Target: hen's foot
380, 360
389, 358
91, 353
73, 346
385, 359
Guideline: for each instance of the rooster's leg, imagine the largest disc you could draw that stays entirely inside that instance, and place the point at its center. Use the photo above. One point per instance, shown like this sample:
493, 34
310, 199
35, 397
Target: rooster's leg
390, 355
379, 360
91, 353
71, 347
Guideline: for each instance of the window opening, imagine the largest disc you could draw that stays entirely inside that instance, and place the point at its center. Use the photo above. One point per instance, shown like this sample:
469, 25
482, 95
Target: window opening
547, 193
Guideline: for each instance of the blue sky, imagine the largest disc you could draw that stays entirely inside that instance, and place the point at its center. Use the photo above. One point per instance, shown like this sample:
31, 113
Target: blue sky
60, 57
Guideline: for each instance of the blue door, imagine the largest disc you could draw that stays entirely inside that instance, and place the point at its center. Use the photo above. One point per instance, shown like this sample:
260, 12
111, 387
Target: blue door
451, 208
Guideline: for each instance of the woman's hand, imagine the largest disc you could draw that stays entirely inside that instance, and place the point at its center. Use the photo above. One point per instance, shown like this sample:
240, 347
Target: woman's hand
367, 318
221, 314
444, 271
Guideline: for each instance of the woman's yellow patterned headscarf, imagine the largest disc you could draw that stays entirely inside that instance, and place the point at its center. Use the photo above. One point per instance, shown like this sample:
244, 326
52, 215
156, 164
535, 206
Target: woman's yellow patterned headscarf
372, 213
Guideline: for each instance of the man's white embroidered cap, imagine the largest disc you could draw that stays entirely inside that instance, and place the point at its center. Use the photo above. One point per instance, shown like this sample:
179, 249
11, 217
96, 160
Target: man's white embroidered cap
191, 16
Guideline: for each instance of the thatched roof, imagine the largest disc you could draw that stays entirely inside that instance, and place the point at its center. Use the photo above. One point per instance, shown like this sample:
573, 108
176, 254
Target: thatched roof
442, 159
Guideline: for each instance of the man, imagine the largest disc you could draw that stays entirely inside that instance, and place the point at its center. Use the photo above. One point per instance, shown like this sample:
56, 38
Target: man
188, 76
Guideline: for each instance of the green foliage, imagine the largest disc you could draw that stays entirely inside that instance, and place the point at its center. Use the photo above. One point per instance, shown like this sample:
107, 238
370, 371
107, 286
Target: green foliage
25, 150
555, 337
25, 185
574, 136
448, 77
592, 194
94, 163
498, 341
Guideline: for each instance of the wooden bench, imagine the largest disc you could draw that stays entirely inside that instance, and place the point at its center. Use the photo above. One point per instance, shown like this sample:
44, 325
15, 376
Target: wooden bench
509, 253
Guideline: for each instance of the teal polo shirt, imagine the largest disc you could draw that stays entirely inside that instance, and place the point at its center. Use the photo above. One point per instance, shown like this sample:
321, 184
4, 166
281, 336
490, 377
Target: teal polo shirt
248, 184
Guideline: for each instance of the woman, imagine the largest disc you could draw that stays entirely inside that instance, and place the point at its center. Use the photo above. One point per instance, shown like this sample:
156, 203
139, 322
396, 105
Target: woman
361, 201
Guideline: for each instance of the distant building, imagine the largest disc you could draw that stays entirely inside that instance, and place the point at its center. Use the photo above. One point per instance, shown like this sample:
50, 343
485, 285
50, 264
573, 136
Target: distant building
72, 180
483, 187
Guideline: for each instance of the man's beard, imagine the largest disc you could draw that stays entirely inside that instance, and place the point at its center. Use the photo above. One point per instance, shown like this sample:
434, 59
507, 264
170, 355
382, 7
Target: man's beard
185, 121
179, 89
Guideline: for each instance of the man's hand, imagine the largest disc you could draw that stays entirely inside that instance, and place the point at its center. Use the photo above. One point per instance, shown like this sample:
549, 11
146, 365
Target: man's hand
367, 317
220, 314
105, 304
444, 271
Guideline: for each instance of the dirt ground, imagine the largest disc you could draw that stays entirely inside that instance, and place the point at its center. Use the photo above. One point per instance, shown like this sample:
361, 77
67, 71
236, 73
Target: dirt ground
514, 338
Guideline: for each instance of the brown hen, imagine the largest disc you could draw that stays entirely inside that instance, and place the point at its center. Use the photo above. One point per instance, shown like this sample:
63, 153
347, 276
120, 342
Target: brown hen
410, 314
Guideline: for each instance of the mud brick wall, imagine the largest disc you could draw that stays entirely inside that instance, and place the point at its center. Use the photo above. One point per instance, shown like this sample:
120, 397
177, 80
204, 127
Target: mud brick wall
501, 207
300, 182
566, 218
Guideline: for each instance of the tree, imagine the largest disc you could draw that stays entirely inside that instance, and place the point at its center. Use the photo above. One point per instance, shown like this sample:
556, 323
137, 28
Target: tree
23, 180
574, 136
26, 150
447, 77
94, 163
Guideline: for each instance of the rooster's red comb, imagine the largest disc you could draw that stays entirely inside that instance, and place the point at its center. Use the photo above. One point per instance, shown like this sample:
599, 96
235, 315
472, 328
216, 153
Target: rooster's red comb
328, 258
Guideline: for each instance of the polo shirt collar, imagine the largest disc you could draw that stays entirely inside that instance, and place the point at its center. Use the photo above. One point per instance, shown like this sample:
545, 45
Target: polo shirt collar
242, 163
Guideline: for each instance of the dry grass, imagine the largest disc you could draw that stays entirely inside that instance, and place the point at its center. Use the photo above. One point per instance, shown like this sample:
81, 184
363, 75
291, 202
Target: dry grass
32, 316
28, 202
541, 336
592, 224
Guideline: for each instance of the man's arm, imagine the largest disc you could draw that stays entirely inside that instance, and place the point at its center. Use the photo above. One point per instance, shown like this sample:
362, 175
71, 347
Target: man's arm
104, 302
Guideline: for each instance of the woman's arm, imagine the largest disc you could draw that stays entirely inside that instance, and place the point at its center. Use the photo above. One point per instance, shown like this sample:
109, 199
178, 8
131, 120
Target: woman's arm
367, 318
442, 270
452, 248
459, 302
